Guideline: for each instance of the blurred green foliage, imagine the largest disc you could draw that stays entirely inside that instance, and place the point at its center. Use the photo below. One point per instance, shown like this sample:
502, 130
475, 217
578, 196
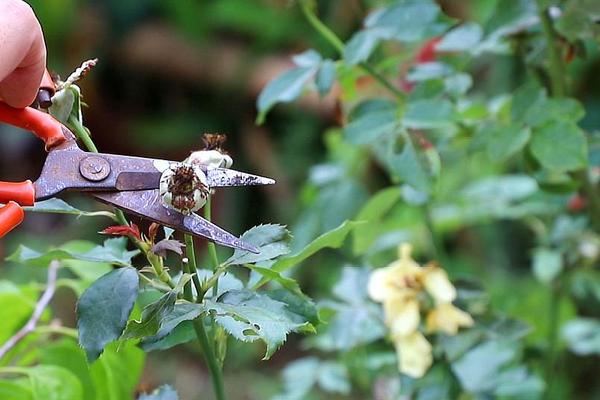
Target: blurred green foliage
484, 155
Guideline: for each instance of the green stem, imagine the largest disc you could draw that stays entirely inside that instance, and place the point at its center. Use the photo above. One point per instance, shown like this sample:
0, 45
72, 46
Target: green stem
192, 267
207, 350
337, 43
61, 330
212, 249
82, 133
557, 67
553, 326
157, 263
437, 242
211, 360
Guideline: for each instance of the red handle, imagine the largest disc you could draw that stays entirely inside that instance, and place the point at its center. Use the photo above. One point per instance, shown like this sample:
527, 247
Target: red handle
11, 215
20, 192
41, 124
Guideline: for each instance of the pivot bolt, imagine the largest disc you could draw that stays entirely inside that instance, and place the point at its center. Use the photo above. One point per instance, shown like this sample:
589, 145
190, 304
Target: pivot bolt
94, 168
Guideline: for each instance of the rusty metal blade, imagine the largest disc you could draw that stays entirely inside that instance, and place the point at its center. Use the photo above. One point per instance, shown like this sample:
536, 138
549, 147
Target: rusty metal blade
148, 204
222, 177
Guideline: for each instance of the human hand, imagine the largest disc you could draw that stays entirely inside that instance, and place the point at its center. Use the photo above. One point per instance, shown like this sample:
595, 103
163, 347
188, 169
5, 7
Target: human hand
22, 53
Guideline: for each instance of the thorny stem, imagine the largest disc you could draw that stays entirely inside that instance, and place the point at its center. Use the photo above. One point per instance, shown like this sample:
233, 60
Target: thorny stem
41, 305
336, 42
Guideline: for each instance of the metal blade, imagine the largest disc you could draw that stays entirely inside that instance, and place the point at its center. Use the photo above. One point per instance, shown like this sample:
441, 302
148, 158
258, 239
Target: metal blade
222, 177
148, 204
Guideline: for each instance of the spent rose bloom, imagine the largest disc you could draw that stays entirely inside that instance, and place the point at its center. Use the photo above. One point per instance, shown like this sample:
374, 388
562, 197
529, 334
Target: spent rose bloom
397, 287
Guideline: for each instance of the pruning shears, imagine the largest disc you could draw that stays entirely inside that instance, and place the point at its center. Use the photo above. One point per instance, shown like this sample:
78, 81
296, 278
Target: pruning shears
127, 183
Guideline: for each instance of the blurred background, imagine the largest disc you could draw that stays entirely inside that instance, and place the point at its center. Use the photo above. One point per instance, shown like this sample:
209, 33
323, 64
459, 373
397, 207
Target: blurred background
170, 71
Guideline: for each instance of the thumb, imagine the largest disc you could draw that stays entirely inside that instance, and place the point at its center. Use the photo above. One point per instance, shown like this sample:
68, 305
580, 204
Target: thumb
22, 53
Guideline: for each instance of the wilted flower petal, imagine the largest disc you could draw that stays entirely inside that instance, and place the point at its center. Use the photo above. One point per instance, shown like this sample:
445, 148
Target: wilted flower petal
438, 285
396, 278
447, 318
414, 354
402, 314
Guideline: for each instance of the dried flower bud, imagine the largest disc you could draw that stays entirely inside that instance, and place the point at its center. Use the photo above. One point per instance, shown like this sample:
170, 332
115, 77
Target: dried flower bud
210, 159
213, 155
184, 187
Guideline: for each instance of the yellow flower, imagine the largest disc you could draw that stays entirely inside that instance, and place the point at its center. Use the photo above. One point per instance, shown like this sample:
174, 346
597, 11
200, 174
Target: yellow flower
397, 279
436, 282
397, 287
402, 314
414, 354
447, 318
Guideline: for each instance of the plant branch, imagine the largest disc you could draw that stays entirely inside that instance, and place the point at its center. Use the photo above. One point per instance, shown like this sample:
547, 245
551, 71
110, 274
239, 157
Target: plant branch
212, 249
337, 43
192, 267
210, 358
557, 67
207, 350
41, 305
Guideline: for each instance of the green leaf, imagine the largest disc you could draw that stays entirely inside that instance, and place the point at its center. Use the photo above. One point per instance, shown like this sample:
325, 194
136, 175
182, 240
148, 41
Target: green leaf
407, 20
179, 314
549, 110
165, 392
547, 264
152, 318
501, 188
249, 316
302, 375
504, 141
104, 308
87, 271
429, 113
360, 46
114, 251
409, 166
582, 336
299, 304
579, 20
325, 77
54, 383
332, 239
58, 206
16, 307
287, 283
357, 320
309, 58
117, 373
15, 391
285, 88
378, 205
463, 38
371, 126
182, 333
560, 146
68, 355
271, 240
478, 367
